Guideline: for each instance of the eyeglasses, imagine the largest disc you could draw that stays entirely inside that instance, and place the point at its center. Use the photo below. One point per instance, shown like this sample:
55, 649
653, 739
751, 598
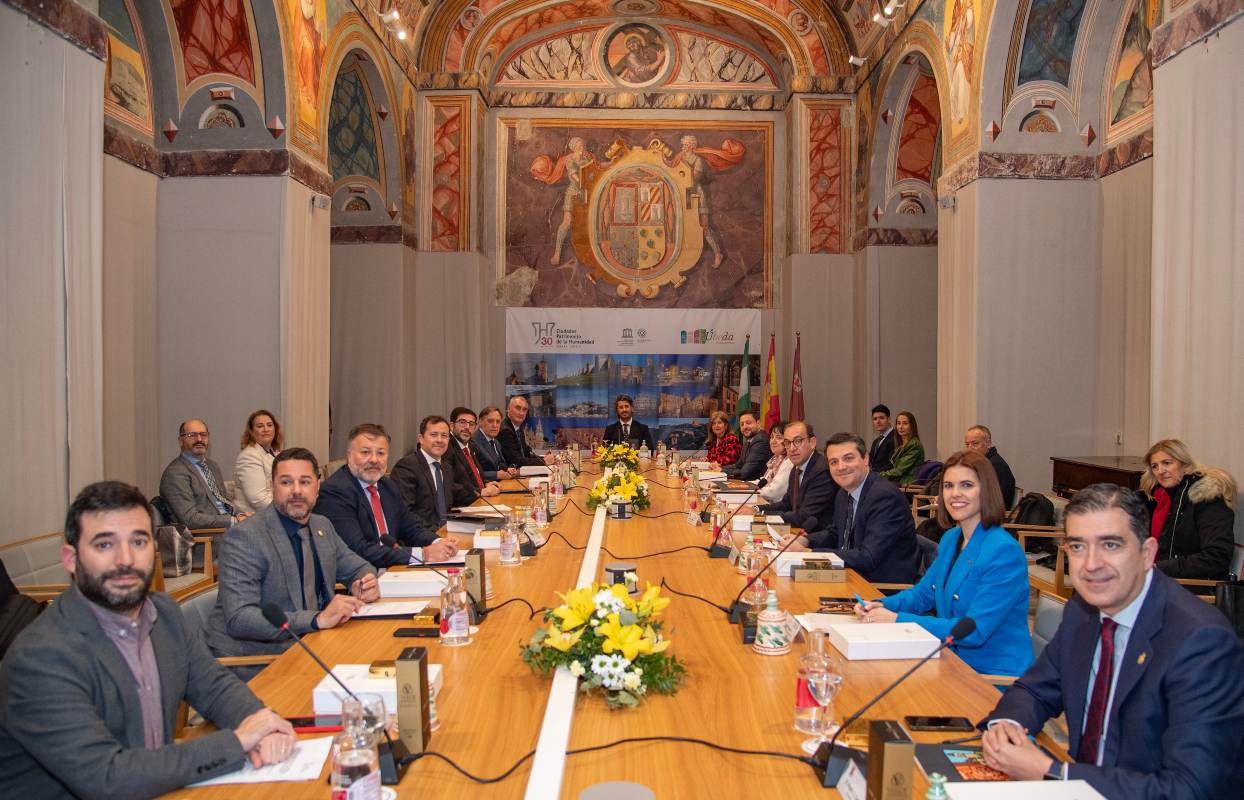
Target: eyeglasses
796, 442
466, 423
195, 435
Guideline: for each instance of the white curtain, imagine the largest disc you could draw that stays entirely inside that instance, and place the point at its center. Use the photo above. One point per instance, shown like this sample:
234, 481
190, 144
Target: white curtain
1198, 251
50, 252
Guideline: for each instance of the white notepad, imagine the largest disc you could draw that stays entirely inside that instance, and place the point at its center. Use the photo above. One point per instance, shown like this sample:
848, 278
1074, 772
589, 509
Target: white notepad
304, 764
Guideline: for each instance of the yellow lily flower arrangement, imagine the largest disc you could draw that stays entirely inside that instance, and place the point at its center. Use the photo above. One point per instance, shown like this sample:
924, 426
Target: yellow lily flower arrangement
609, 640
619, 483
613, 455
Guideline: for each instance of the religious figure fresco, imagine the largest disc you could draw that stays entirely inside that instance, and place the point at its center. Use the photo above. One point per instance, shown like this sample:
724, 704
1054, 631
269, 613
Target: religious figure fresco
308, 30
636, 54
676, 216
1050, 41
961, 48
1132, 88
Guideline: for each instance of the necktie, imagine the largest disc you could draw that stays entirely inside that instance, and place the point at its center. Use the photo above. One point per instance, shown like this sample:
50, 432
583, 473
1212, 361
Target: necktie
626, 432
850, 533
309, 602
470, 459
794, 489
1095, 720
496, 453
442, 508
377, 511
214, 488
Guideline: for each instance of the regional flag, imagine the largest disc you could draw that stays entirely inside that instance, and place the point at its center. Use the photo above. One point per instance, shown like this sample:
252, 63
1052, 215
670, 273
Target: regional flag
796, 387
745, 383
771, 401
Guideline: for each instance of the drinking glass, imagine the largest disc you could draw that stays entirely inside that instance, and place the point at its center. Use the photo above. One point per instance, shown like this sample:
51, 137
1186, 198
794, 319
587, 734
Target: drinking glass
823, 683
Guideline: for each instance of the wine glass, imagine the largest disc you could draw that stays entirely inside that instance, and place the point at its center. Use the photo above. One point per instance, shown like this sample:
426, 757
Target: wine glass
375, 714
823, 683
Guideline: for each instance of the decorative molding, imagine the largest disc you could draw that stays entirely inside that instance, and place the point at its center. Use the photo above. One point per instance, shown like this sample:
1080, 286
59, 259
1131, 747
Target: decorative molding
134, 150
896, 237
1125, 154
309, 174
367, 234
70, 21
1186, 29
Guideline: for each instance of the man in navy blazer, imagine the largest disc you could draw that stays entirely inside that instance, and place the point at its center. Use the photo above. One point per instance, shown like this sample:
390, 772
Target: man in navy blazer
628, 430
873, 532
755, 456
345, 498
1163, 717
513, 439
487, 447
809, 499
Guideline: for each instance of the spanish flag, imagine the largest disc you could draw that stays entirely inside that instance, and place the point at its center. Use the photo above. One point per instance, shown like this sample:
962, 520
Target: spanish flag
771, 404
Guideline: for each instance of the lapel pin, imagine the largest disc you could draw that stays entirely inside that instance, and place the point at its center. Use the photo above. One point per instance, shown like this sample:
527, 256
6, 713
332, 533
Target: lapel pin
1140, 660
319, 532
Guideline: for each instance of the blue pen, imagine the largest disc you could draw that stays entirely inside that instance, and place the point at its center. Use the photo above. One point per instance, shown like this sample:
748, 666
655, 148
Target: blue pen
859, 599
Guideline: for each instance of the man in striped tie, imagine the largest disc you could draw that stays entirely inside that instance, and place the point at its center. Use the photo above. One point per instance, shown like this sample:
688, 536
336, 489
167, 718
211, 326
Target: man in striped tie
193, 487
1147, 673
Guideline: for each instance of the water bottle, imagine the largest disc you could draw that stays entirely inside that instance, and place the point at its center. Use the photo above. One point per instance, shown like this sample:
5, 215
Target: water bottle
673, 470
540, 503
455, 611
356, 762
509, 543
816, 659
556, 489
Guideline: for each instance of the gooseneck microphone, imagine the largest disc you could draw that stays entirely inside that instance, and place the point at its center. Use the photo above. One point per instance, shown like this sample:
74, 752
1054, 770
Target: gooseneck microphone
738, 609
526, 547
830, 761
716, 550
392, 754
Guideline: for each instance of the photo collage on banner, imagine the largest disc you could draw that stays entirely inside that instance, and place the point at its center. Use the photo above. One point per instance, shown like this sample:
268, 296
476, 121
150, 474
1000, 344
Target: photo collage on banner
678, 366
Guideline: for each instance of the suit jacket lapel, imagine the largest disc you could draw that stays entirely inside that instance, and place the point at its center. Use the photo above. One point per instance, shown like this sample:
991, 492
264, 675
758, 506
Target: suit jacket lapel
280, 545
1084, 641
164, 645
365, 504
963, 564
328, 558
73, 606
1132, 667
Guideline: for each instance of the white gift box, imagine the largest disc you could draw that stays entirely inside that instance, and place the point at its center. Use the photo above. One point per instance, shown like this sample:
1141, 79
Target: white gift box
486, 541
327, 695
787, 561
411, 583
884, 640
533, 471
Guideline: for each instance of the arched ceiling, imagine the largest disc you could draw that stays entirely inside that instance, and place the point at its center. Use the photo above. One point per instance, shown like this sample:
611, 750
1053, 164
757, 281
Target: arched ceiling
802, 38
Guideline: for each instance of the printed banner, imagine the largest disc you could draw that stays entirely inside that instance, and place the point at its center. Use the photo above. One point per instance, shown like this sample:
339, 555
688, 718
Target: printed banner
677, 366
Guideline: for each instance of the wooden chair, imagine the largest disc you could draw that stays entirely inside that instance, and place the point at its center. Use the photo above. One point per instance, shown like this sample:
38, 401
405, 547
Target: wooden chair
34, 566
1043, 578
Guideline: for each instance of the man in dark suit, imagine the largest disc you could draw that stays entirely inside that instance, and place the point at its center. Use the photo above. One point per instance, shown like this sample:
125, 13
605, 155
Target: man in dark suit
289, 556
90, 690
755, 454
513, 439
364, 505
809, 499
193, 486
628, 430
427, 479
1147, 673
462, 452
882, 449
873, 532
979, 440
491, 458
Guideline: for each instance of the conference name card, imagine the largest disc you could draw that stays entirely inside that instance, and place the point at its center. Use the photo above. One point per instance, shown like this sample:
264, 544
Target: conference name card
877, 641
784, 563
410, 583
327, 695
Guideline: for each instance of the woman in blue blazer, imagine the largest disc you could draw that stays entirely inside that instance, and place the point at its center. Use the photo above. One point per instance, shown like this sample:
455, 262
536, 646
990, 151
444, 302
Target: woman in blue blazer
980, 574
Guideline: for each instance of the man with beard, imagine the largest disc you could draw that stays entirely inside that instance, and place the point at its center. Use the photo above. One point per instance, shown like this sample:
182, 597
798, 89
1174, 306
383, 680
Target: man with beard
462, 452
290, 557
193, 485
89, 691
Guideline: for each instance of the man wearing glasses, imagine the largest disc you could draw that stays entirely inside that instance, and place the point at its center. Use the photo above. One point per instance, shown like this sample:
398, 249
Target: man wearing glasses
193, 486
465, 458
809, 499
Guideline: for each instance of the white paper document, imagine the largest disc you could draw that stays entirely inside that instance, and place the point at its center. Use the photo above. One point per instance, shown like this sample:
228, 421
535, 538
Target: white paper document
822, 622
403, 607
1022, 790
304, 764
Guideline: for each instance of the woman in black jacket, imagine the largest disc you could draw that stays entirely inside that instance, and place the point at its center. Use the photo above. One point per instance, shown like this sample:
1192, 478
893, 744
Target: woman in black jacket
1193, 510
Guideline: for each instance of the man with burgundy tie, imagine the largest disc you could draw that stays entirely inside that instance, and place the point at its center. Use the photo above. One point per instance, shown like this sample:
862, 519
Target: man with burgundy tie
364, 505
467, 466
1148, 674
809, 500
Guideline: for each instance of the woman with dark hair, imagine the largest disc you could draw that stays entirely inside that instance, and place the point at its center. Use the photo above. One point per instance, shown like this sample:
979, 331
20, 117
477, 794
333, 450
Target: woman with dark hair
723, 446
908, 451
1193, 512
252, 471
980, 572
777, 471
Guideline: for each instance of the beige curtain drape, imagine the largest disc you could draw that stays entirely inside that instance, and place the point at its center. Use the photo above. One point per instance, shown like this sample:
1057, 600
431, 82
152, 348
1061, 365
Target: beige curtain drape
1198, 251
50, 273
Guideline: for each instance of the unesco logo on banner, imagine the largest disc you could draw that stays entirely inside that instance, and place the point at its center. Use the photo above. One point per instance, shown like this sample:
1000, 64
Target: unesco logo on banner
544, 333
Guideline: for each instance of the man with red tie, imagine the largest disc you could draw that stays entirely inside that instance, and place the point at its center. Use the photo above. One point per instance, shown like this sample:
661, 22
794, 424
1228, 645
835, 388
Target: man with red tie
364, 505
1147, 673
462, 422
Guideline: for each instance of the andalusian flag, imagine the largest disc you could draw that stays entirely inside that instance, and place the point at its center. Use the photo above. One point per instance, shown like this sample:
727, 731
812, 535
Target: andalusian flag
771, 401
745, 383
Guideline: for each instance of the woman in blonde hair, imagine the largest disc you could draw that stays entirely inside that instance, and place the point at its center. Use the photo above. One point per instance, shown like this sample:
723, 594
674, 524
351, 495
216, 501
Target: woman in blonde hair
1193, 512
252, 471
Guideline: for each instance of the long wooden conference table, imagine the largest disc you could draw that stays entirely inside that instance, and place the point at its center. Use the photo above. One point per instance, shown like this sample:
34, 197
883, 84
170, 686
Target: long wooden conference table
493, 710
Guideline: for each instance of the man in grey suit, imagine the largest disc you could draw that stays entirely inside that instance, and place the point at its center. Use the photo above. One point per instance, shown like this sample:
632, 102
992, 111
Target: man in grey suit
193, 485
288, 556
90, 690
